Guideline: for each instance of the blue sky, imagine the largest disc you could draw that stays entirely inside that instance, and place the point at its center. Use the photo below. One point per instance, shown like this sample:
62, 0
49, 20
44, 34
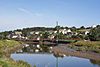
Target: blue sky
29, 13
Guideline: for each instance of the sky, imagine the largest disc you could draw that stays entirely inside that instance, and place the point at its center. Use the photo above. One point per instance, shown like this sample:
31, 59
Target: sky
16, 14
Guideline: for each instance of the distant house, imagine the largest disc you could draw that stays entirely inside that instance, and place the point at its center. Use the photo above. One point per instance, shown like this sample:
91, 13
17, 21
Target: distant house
55, 31
65, 31
37, 32
93, 26
32, 32
18, 33
69, 31
51, 36
51, 32
86, 32
15, 35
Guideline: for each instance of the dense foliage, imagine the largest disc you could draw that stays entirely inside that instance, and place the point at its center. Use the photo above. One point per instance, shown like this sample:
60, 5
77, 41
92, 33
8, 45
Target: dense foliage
94, 34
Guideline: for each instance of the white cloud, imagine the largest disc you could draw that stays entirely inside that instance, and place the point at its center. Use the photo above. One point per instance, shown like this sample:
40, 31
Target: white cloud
25, 11
29, 12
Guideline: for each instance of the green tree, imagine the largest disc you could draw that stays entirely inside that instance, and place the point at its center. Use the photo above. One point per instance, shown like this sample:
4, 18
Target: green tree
94, 34
73, 28
82, 27
45, 34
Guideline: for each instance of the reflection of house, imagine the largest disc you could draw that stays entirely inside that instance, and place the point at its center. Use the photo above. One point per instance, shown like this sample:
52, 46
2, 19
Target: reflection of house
38, 38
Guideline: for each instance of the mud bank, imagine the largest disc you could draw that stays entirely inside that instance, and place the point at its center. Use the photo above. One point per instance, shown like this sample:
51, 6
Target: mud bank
63, 50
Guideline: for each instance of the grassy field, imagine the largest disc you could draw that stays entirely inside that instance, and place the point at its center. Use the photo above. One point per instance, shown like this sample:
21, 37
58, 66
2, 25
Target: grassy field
6, 45
90, 46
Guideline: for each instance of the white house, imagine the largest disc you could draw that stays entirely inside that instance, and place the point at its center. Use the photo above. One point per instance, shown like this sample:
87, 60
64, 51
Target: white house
37, 32
32, 32
18, 33
86, 32
55, 31
93, 26
14, 36
69, 30
64, 31
51, 37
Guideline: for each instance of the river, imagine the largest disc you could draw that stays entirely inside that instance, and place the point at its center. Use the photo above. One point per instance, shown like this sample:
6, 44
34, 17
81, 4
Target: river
44, 58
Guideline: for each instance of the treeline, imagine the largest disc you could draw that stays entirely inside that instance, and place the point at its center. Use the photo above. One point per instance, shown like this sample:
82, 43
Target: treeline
94, 33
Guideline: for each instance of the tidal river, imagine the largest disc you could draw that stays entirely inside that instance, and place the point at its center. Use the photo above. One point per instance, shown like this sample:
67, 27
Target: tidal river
42, 58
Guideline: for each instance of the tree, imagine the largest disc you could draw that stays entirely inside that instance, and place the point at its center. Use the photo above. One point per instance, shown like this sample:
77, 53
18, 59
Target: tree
45, 34
73, 28
94, 34
82, 27
3, 35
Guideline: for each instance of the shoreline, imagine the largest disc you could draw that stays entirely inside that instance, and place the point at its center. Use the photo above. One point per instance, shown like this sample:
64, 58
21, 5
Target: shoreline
6, 53
64, 50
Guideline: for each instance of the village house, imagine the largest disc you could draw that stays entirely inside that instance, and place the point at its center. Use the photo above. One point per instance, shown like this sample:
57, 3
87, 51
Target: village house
16, 35
51, 36
65, 31
86, 32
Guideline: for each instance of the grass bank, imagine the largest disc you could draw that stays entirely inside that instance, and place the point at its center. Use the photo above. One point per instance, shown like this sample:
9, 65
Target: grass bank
86, 46
5, 62
6, 47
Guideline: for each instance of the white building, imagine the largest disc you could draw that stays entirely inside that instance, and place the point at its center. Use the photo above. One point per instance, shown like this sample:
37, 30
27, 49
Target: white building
64, 31
36, 32
69, 31
55, 31
93, 26
86, 32
51, 37
14, 36
32, 32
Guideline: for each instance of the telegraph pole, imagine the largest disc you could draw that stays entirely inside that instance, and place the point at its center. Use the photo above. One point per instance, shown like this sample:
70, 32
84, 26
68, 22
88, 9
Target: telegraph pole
57, 31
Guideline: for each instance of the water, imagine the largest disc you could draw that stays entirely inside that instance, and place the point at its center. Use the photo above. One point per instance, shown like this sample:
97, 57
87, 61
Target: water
46, 59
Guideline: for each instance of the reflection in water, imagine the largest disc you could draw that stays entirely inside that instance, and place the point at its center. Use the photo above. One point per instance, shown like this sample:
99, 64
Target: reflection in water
44, 58
34, 48
57, 62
